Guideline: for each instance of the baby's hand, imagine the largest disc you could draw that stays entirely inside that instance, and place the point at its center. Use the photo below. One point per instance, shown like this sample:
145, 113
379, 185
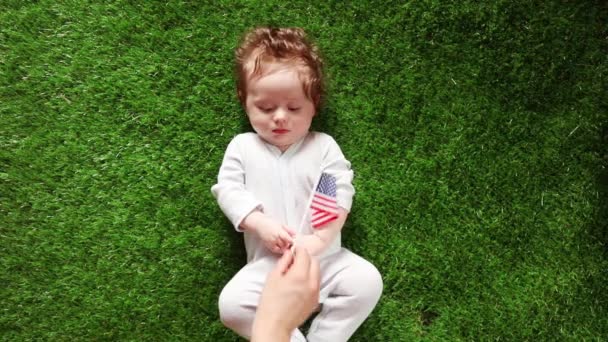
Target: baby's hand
275, 236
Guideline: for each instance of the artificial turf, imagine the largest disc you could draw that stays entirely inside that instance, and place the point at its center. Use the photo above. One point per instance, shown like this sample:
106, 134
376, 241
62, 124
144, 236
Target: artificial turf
478, 133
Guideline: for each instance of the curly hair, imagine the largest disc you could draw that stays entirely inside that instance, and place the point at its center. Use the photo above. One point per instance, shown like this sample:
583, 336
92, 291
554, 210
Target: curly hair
288, 46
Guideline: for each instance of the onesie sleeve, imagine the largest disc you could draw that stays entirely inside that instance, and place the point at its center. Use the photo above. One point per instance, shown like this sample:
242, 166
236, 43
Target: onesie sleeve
336, 165
234, 200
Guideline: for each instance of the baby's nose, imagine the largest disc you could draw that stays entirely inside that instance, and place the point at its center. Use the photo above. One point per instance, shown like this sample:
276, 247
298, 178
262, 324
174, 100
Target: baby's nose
280, 115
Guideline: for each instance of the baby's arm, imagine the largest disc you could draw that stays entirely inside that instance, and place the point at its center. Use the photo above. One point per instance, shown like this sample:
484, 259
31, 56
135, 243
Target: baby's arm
233, 198
335, 164
241, 207
320, 239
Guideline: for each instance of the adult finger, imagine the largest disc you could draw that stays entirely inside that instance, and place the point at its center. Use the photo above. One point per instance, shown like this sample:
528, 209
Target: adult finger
301, 261
315, 275
284, 262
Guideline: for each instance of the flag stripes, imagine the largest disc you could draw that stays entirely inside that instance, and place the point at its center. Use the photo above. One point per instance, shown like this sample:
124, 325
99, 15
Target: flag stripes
324, 206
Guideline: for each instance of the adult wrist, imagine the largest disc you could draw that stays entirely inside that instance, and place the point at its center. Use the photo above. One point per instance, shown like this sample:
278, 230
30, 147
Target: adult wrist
267, 331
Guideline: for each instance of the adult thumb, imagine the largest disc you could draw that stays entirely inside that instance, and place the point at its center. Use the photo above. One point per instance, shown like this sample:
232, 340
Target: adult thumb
284, 262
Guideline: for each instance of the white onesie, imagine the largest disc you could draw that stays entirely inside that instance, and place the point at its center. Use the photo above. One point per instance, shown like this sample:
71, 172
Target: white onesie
257, 175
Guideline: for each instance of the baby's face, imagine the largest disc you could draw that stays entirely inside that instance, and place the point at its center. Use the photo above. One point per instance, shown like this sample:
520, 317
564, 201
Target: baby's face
277, 107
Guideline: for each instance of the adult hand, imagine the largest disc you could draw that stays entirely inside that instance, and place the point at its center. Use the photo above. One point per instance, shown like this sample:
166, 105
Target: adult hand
290, 295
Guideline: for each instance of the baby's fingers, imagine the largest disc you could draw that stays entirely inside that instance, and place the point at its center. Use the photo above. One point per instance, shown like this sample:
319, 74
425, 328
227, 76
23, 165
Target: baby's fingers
285, 244
286, 236
279, 244
275, 248
286, 241
290, 231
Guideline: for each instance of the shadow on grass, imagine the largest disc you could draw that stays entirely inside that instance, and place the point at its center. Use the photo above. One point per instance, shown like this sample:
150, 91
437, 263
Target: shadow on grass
596, 282
600, 232
236, 246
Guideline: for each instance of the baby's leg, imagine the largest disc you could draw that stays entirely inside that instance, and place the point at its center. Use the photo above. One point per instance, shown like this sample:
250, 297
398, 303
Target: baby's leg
238, 301
355, 286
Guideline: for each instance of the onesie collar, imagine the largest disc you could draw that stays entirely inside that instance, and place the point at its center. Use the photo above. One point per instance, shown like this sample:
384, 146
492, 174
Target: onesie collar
289, 151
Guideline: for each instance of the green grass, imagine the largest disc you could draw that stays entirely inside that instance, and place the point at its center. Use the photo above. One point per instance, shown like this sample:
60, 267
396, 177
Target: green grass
478, 134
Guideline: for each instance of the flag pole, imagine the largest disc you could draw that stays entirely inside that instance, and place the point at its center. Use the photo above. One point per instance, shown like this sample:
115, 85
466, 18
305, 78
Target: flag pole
307, 208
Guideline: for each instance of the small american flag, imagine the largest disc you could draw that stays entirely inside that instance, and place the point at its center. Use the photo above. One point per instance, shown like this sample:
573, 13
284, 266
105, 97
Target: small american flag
324, 205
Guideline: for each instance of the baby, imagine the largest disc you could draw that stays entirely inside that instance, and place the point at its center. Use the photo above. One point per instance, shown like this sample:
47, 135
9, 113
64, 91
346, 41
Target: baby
286, 185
